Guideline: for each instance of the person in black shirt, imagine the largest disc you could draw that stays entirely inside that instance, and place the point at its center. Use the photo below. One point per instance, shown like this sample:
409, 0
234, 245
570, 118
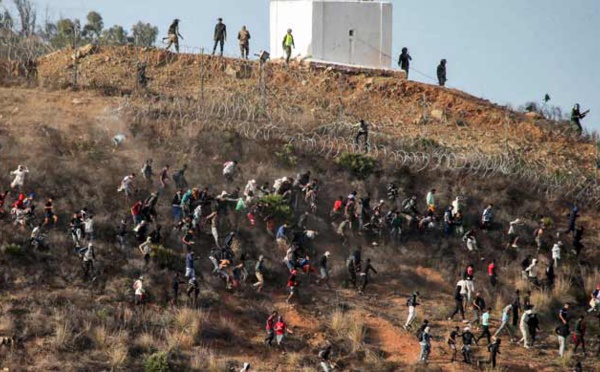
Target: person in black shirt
458, 300
467, 338
175, 287
533, 323
452, 342
478, 307
220, 35
516, 307
404, 60
577, 236
494, 348
527, 301
441, 73
364, 275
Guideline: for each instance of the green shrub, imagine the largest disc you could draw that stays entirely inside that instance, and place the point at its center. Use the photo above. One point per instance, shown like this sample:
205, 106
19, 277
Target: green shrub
157, 362
275, 205
165, 258
361, 166
547, 221
13, 250
286, 156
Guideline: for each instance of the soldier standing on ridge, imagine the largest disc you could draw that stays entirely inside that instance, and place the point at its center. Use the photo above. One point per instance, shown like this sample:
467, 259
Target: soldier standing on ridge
404, 61
244, 38
220, 36
576, 117
441, 73
173, 36
288, 44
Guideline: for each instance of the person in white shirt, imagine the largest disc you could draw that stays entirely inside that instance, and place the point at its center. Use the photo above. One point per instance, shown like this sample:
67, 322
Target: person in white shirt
457, 205
556, 253
88, 228
127, 185
229, 170
138, 287
146, 248
88, 260
532, 271
19, 179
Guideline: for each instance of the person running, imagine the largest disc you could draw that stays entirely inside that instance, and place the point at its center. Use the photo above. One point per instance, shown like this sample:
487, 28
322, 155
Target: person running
425, 343
533, 323
579, 334
478, 307
127, 186
494, 350
259, 270
270, 328
412, 303
229, 169
524, 328
140, 294
451, 340
505, 322
19, 180
364, 275
485, 323
193, 291
280, 330
146, 249
88, 261
468, 338
324, 269
353, 266
562, 332
175, 287
292, 285
492, 273
516, 307
190, 272
458, 301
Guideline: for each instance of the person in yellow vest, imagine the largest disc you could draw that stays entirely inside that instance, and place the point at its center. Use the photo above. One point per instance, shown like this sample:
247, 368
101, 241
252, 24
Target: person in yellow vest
288, 44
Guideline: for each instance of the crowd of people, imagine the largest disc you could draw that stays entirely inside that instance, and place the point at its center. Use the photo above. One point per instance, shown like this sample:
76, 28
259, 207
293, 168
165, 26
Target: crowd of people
196, 213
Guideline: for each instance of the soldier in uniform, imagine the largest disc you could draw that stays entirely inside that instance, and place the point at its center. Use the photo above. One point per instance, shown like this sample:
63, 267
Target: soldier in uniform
576, 116
404, 61
288, 44
220, 35
174, 35
441, 73
244, 39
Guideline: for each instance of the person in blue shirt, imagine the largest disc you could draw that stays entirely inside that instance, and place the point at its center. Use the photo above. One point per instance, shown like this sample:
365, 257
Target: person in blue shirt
189, 265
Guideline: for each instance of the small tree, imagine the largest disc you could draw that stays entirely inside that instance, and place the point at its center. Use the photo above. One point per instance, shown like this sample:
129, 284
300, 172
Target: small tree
66, 32
27, 16
116, 35
144, 34
94, 26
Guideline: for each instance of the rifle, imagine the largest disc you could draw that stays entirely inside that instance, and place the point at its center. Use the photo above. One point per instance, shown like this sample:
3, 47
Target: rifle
585, 113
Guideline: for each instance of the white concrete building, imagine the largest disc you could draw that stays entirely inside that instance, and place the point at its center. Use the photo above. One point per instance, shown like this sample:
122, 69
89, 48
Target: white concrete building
355, 32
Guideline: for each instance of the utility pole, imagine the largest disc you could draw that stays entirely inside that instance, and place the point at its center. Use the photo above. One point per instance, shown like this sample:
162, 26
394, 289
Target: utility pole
75, 56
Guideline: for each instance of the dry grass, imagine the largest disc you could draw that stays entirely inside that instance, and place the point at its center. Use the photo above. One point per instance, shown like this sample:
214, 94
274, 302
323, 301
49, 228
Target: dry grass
349, 327
63, 331
562, 287
117, 355
541, 299
356, 334
592, 279
205, 359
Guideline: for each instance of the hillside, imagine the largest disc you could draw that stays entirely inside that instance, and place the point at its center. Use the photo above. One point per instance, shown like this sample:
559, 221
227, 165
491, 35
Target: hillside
67, 322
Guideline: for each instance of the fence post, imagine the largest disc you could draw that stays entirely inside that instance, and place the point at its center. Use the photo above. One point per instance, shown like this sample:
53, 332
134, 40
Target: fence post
263, 88
75, 56
202, 75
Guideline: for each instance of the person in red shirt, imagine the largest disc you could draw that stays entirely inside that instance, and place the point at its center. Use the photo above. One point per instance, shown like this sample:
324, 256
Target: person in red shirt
136, 210
292, 284
492, 273
269, 328
280, 331
336, 211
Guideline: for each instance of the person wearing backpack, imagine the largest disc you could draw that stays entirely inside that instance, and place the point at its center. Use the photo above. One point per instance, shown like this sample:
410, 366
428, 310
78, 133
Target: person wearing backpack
411, 303
425, 343
420, 330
